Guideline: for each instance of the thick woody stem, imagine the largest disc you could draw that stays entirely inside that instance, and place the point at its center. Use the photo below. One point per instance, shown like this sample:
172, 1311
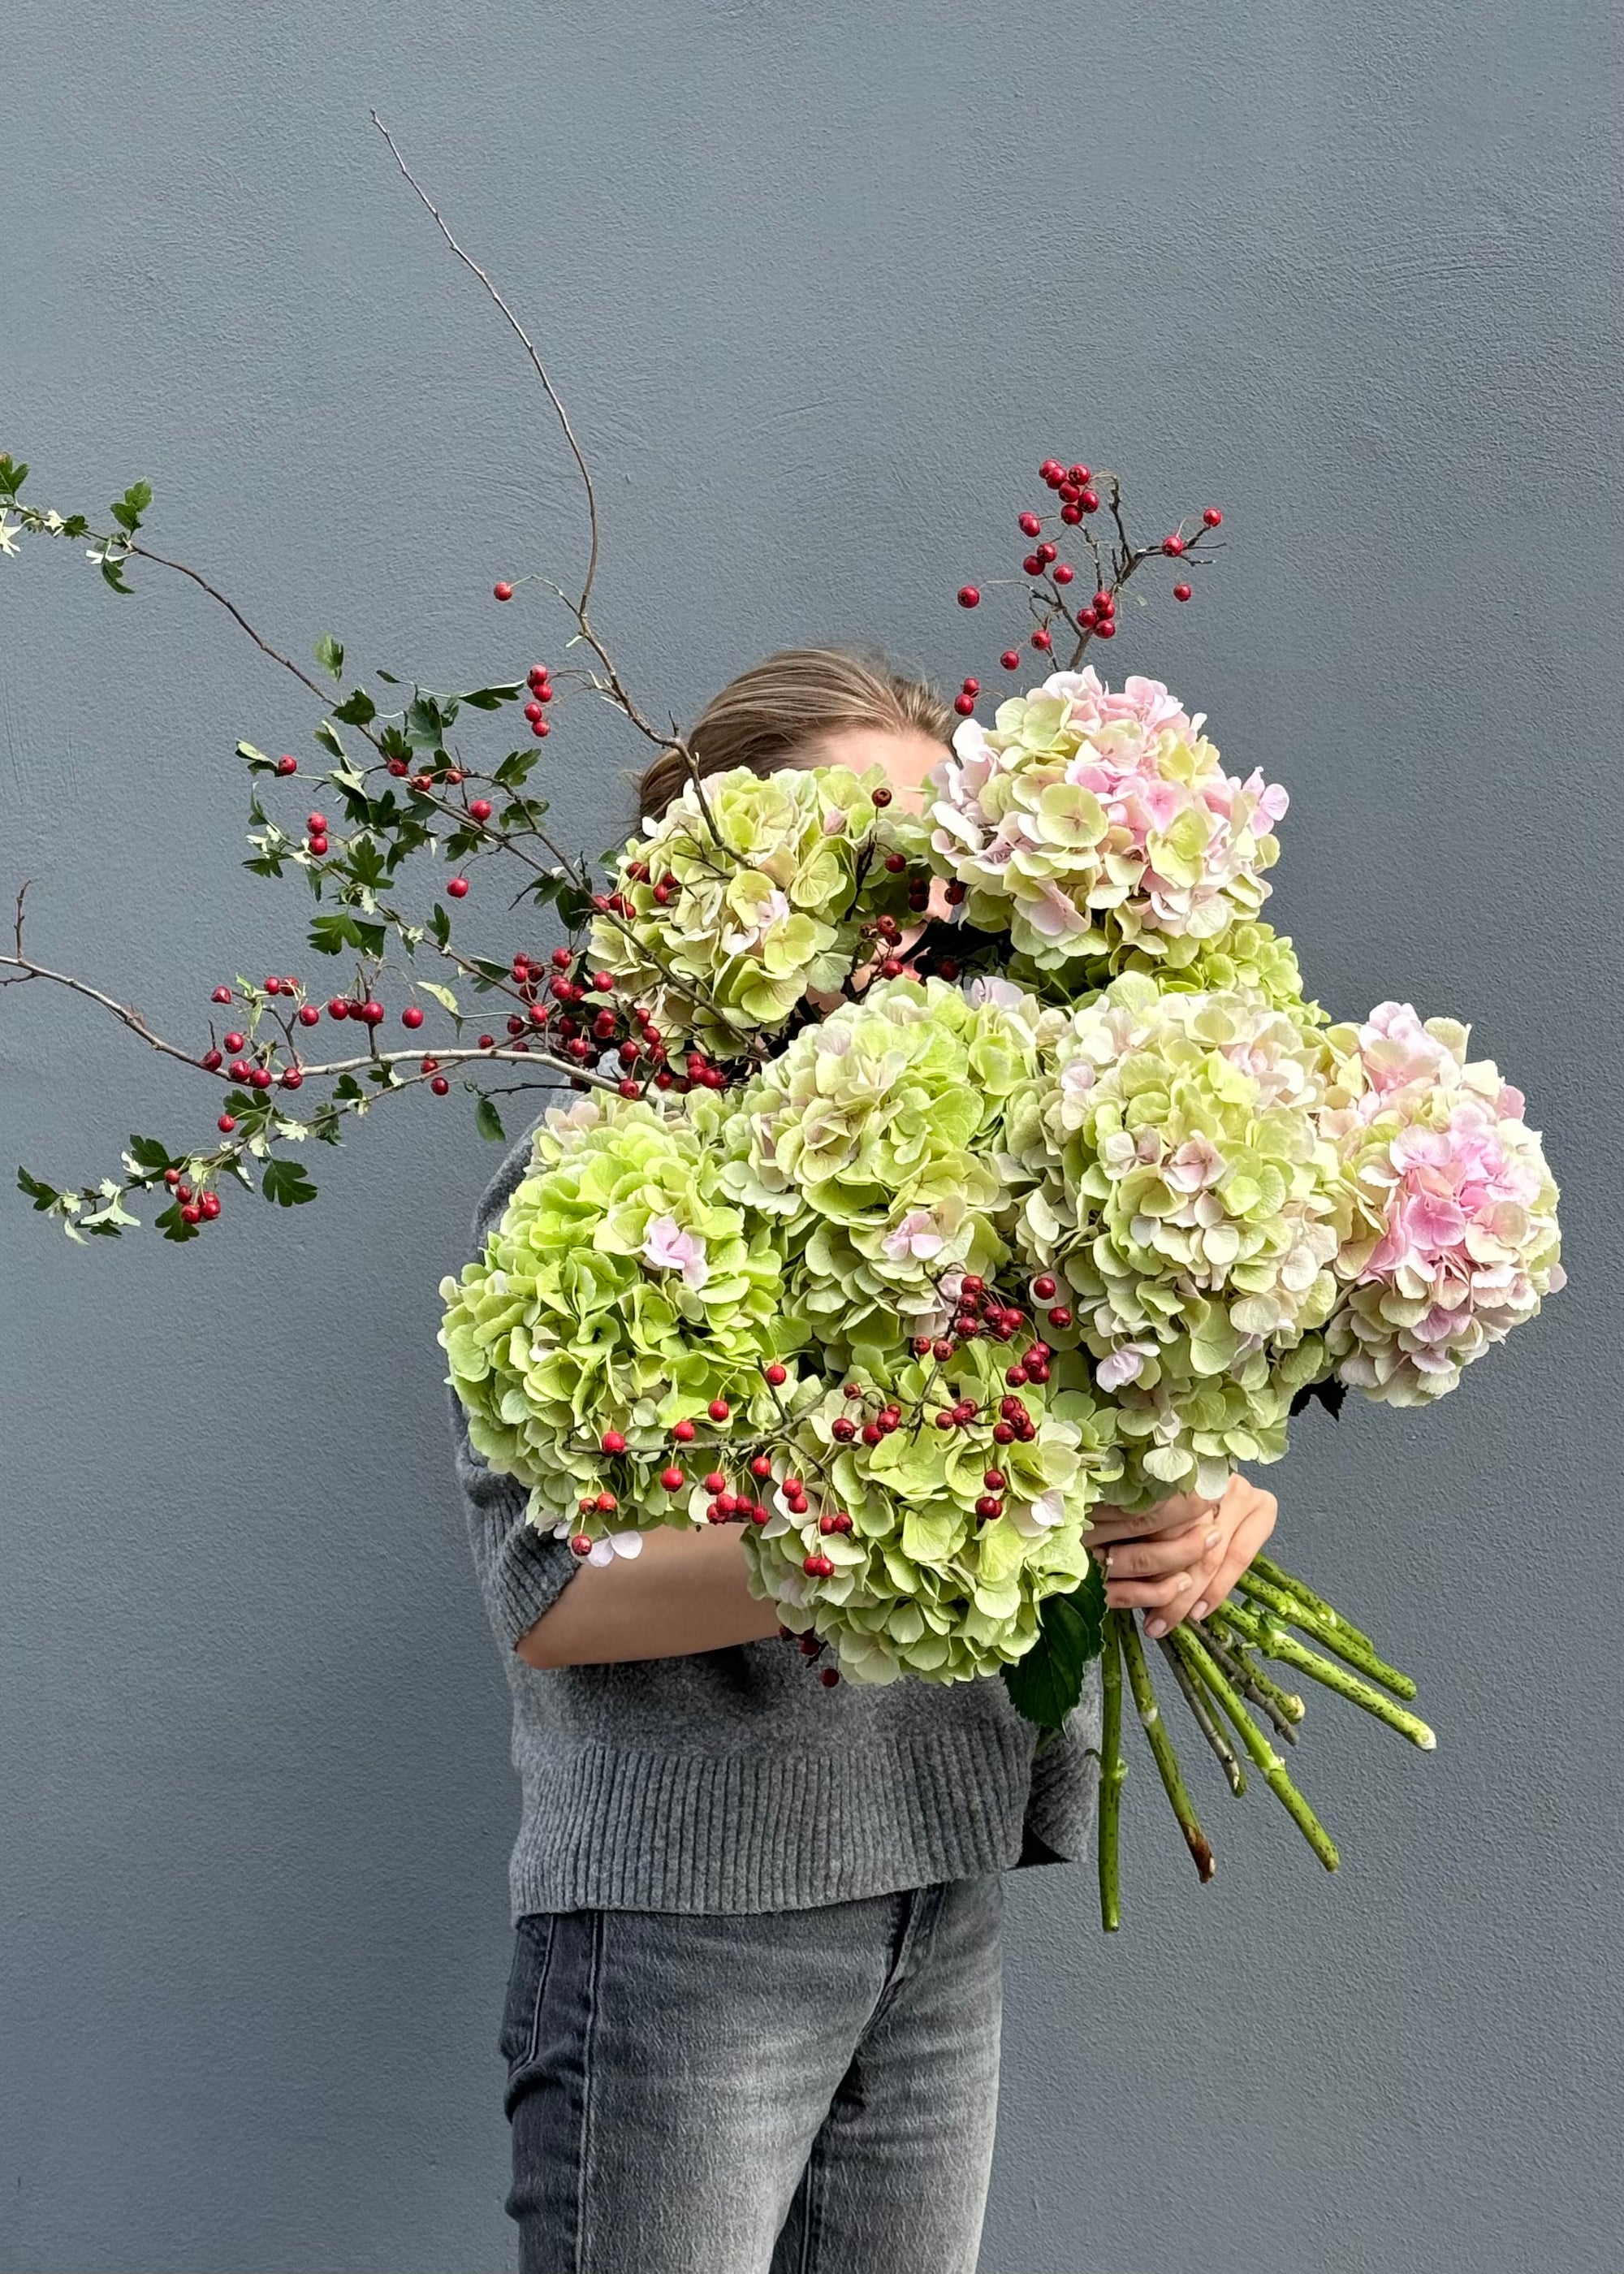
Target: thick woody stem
1269, 1634
1161, 1746
1274, 1770
1205, 1720
1288, 1609
1113, 1769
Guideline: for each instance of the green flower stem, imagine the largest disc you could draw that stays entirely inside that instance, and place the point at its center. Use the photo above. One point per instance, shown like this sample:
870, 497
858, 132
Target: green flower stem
1162, 1745
1274, 1770
1289, 1584
1244, 1677
1113, 1769
1296, 1614
1205, 1720
1268, 1633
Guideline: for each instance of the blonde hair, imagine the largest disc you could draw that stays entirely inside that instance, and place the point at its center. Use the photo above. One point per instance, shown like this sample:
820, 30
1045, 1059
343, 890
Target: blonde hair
774, 714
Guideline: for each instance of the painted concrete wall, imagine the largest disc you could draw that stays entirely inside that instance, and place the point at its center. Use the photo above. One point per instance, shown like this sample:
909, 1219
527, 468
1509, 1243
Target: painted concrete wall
823, 285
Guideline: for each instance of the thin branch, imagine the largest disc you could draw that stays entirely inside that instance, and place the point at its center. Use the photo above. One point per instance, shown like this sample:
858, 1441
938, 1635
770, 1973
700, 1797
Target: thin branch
160, 561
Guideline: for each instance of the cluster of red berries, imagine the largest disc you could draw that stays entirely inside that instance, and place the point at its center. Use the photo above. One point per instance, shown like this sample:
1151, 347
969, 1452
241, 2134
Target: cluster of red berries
1042, 564
541, 694
195, 1208
811, 1645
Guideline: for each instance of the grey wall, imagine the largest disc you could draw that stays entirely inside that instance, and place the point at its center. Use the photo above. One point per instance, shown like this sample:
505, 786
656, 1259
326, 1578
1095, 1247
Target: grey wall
823, 284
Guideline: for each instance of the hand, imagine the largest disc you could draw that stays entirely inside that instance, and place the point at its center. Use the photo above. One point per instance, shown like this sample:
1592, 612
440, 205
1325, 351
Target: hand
1179, 1558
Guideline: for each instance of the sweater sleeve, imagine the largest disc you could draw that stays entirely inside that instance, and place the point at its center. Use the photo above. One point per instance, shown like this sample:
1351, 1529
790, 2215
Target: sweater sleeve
522, 1572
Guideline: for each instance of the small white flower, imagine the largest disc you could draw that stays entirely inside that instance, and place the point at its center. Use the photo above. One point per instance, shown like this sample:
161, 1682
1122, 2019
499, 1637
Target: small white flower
9, 531
619, 1543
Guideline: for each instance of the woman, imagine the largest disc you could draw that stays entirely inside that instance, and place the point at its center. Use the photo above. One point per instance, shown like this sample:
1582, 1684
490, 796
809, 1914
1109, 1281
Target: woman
752, 2022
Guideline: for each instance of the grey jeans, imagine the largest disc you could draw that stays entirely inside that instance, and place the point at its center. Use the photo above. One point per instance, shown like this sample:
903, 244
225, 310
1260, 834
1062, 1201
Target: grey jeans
791, 2092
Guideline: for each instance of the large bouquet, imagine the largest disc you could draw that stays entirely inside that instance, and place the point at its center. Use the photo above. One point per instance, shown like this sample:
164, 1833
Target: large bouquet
933, 1178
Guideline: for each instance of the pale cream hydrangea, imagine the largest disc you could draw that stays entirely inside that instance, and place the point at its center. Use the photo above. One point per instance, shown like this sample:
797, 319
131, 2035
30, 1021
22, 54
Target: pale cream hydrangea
740, 903
920, 1584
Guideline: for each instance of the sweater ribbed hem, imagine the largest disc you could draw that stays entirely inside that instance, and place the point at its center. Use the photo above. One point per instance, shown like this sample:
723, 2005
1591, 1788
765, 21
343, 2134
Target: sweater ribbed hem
611, 1829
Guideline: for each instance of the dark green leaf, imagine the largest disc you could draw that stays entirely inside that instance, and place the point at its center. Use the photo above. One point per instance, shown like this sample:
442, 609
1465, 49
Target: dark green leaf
426, 722
326, 734
112, 572
286, 1181
1047, 1683
488, 1121
440, 924
330, 655
393, 744
330, 935
491, 698
139, 495
173, 1226
12, 474
387, 677
357, 709
43, 1195
151, 1155
125, 515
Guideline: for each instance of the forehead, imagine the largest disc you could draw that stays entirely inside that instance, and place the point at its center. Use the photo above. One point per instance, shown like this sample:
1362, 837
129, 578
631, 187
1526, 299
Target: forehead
906, 753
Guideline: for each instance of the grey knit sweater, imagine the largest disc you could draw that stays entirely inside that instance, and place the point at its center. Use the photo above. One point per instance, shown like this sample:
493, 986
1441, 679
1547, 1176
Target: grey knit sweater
732, 1780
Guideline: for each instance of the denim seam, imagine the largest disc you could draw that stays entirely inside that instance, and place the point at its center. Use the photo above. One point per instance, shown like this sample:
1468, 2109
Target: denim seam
542, 1972
924, 1911
583, 2150
812, 2231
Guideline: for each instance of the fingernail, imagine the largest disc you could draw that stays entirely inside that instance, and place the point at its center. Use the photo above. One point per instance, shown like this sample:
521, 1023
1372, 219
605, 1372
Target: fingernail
1213, 1537
1201, 1610
1156, 1628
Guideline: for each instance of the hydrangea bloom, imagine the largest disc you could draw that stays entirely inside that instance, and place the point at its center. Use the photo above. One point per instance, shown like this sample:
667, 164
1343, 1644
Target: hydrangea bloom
1181, 1184
622, 1290
921, 1584
871, 1138
727, 927
1087, 820
1454, 1238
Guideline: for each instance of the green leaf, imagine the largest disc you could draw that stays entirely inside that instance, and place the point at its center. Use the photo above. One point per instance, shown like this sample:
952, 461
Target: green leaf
426, 722
12, 474
43, 1196
255, 757
1047, 1683
139, 495
488, 1122
330, 655
147, 1153
112, 573
326, 734
173, 1225
492, 698
357, 709
125, 515
287, 1182
330, 935
440, 924
387, 677
442, 995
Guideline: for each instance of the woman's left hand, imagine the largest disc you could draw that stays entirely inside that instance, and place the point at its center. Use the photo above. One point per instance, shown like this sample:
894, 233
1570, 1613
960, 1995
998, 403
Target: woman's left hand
1182, 1556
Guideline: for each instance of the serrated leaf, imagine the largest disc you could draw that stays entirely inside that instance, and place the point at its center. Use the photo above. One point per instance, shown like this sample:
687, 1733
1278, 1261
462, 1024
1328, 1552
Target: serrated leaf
330, 655
488, 1122
43, 1196
287, 1182
440, 924
147, 1153
357, 709
326, 734
112, 573
442, 995
1047, 1683
492, 698
331, 934
139, 495
125, 515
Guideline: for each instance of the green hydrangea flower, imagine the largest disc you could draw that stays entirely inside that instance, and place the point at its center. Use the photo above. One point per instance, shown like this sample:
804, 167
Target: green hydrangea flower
623, 1290
1180, 1184
921, 1584
738, 905
1247, 954
873, 1137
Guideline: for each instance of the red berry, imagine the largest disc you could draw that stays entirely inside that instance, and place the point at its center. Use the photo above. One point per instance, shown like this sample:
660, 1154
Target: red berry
1003, 1432
1182, 592
580, 1545
237, 1070
272, 986
1033, 565
1173, 545
683, 1432
994, 1480
606, 1503
672, 1478
1212, 517
210, 1205
318, 846
540, 729
829, 1675
776, 1375
972, 686
969, 597
842, 1430
533, 710
1088, 501
411, 1016
192, 1214
502, 591
293, 1079
338, 1008
286, 765
221, 994
309, 1016
1043, 1290
317, 824
1042, 639
213, 1060
1071, 514
1076, 473
1060, 1316
965, 705
1063, 572
226, 1124
371, 1011
1029, 524
1105, 631
439, 1084
456, 888
718, 1409
537, 675
1010, 658
261, 1077
882, 797
479, 810
716, 1482
988, 1505
817, 1566
630, 1088
234, 1041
